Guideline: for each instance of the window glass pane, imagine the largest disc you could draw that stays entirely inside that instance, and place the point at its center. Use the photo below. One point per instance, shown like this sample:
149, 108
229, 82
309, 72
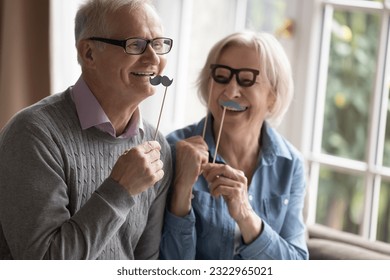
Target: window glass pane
352, 61
383, 230
266, 15
340, 200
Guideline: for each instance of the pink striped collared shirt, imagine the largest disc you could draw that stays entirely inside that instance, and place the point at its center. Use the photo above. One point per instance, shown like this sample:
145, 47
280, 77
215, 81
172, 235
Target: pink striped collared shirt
91, 114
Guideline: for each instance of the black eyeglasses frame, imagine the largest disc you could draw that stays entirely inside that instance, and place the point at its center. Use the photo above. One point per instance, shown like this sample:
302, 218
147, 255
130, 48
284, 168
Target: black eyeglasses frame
233, 72
123, 43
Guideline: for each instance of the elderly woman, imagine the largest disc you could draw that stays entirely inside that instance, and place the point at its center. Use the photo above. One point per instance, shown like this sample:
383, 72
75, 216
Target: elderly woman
246, 203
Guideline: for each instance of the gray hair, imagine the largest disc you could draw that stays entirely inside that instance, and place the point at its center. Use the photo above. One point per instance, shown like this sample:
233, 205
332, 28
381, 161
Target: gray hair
273, 62
91, 18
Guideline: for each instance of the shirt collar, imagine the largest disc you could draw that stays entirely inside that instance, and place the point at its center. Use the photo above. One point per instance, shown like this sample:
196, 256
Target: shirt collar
91, 114
273, 145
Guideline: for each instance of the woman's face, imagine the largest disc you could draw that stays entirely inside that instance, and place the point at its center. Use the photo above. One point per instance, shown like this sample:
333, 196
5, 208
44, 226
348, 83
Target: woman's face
255, 100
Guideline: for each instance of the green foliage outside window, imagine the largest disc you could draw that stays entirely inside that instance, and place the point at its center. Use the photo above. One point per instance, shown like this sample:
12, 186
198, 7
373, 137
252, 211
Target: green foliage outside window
339, 201
352, 64
383, 231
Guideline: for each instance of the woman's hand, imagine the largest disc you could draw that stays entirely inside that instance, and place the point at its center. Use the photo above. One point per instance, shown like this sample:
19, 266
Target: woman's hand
232, 185
191, 155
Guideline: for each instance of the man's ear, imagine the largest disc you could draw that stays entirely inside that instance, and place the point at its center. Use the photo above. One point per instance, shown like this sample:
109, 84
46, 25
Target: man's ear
86, 50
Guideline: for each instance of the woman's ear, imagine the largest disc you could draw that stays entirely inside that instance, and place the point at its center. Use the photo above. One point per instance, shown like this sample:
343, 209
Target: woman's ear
271, 100
86, 50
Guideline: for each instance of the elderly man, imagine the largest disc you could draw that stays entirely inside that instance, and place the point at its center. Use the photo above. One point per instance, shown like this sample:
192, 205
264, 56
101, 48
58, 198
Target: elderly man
80, 174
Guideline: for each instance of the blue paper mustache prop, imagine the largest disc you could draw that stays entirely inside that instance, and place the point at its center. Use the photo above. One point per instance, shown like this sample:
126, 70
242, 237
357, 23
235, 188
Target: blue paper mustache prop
231, 104
164, 80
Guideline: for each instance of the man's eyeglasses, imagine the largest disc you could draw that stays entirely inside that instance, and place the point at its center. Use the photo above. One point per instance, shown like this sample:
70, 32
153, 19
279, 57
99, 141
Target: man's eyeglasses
135, 45
223, 74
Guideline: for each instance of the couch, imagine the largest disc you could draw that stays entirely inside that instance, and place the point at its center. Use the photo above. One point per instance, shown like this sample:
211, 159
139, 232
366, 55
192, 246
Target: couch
325, 243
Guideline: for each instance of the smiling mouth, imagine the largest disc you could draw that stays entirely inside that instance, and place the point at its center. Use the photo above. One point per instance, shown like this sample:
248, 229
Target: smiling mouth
143, 74
232, 106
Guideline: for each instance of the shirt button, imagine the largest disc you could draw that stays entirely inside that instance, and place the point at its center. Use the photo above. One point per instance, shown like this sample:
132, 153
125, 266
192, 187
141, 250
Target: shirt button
285, 202
250, 197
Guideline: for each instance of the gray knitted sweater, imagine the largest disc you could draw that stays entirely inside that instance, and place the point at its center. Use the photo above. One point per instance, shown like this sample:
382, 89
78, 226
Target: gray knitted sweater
55, 199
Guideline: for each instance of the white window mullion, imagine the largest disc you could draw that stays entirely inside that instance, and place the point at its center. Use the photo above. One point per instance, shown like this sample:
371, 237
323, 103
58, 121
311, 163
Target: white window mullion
340, 164
312, 190
322, 79
376, 141
240, 17
375, 145
370, 218
319, 109
355, 5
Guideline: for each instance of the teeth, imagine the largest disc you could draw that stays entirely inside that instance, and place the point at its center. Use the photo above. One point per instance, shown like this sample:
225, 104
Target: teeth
235, 109
143, 74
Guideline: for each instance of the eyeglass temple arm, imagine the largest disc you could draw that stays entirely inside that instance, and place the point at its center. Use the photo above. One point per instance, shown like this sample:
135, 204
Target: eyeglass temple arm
121, 43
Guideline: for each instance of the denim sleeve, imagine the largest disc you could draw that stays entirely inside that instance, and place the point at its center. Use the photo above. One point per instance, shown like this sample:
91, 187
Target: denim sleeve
178, 240
290, 242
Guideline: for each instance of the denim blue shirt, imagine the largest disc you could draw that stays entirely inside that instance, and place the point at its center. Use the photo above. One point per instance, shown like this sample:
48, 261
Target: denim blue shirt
276, 193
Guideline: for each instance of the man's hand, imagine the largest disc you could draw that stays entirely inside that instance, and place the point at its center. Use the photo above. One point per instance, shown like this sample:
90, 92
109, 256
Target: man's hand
139, 168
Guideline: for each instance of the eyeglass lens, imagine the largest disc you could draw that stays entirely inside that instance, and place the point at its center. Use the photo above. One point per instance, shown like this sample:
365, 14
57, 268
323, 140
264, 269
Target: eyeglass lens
138, 45
223, 74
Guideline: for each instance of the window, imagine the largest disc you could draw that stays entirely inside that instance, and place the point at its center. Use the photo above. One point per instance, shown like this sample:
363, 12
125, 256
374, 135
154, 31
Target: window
349, 155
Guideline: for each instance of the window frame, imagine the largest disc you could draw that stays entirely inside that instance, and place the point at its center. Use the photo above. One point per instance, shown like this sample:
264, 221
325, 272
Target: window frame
371, 168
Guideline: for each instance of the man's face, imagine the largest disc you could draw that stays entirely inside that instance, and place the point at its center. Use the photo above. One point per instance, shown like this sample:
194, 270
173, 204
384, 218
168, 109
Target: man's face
125, 76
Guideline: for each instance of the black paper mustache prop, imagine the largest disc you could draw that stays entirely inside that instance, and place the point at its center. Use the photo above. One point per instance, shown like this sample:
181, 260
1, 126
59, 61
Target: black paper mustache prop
165, 81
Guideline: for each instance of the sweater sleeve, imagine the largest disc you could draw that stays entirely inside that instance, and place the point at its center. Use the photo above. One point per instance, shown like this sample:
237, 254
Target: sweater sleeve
34, 200
149, 243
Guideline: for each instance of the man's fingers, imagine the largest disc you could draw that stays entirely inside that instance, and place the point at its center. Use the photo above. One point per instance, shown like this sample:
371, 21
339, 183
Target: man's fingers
150, 151
150, 146
157, 165
159, 175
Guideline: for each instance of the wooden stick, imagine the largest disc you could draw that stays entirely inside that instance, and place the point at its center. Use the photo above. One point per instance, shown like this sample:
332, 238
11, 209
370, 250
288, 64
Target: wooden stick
208, 105
219, 134
159, 117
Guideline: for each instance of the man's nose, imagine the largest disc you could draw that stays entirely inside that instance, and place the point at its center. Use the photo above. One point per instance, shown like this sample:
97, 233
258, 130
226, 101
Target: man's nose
150, 55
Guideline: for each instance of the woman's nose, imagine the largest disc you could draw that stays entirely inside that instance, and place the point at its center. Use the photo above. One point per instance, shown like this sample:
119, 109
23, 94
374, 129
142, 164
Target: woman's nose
232, 89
